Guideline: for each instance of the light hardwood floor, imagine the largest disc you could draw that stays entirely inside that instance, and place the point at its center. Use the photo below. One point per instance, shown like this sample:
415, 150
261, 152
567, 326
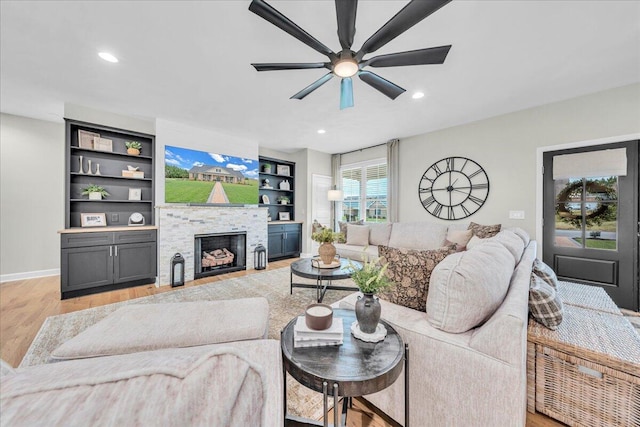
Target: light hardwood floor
25, 304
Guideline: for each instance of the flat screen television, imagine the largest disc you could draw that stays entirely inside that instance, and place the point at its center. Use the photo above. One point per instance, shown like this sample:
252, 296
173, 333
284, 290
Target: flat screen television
200, 177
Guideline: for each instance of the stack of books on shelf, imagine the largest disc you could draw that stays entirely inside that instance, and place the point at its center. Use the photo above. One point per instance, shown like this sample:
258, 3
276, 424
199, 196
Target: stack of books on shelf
303, 336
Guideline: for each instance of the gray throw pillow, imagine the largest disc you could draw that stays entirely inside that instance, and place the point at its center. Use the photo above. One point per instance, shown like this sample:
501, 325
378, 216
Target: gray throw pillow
545, 272
343, 228
544, 303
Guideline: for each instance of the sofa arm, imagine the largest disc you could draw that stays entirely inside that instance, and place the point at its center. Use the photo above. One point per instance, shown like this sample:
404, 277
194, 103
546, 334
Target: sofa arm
144, 327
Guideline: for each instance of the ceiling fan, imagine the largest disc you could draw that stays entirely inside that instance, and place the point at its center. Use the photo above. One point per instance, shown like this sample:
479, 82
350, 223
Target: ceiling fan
347, 63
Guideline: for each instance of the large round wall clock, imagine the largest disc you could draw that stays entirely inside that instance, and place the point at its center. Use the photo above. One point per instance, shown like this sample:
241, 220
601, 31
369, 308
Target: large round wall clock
453, 188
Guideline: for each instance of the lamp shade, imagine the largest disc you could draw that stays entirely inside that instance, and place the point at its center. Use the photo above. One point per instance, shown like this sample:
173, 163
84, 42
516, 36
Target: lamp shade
335, 195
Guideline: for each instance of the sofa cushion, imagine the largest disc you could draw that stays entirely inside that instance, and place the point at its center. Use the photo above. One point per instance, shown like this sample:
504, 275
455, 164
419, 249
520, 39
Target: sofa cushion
521, 233
459, 237
379, 234
141, 327
417, 235
343, 228
357, 235
218, 387
545, 272
544, 303
467, 287
484, 231
410, 270
512, 242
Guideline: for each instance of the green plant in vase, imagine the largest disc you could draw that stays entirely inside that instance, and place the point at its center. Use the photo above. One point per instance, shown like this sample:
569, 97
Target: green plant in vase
95, 192
284, 200
133, 147
370, 279
326, 237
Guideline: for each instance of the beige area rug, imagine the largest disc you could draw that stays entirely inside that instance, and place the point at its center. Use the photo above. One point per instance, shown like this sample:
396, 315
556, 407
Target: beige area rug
273, 285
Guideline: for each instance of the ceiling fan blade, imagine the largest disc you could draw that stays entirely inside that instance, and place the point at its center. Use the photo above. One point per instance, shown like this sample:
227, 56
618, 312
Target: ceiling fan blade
346, 93
291, 66
269, 13
346, 14
392, 90
431, 55
313, 86
409, 16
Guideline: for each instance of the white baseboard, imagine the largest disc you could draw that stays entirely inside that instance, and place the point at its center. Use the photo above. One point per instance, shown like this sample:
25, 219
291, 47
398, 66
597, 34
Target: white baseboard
28, 275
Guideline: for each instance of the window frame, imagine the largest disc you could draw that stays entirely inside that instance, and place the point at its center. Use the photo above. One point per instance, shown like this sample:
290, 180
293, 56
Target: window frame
362, 198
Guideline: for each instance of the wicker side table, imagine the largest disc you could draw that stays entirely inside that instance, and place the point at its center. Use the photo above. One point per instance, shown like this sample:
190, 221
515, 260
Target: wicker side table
586, 373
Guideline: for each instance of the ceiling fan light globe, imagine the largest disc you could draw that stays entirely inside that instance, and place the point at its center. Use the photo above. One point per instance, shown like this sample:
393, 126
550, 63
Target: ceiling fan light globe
345, 68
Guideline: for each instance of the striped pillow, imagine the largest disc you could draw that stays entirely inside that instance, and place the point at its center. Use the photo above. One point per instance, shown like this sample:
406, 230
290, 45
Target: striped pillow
545, 272
544, 303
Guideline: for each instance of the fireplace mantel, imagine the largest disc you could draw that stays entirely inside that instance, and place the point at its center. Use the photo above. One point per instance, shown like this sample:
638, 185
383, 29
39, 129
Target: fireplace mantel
178, 224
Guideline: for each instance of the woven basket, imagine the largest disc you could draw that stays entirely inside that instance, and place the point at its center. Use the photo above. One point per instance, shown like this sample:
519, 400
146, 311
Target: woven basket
581, 393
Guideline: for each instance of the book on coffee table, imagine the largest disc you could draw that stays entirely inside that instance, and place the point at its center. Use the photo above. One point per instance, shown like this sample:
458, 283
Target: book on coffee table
303, 336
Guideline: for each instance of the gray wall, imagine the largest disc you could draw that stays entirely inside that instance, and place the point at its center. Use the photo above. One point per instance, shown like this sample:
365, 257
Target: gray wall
506, 147
31, 196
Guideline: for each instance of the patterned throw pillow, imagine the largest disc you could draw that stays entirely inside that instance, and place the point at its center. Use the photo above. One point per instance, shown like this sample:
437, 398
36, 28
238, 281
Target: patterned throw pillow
343, 228
545, 272
410, 270
484, 231
544, 303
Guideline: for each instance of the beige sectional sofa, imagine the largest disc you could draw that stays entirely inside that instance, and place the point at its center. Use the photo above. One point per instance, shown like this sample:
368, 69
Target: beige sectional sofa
157, 378
408, 235
467, 363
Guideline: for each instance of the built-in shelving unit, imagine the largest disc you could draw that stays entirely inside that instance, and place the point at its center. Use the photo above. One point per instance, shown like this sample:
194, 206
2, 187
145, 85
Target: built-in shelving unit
277, 174
277, 180
115, 254
111, 157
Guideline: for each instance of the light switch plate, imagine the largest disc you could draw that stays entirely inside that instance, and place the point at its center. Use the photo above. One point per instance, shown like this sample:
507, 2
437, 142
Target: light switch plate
516, 214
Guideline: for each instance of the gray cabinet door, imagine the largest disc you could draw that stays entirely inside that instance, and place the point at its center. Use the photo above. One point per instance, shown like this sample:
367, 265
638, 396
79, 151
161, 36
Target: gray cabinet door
86, 267
276, 245
292, 241
134, 261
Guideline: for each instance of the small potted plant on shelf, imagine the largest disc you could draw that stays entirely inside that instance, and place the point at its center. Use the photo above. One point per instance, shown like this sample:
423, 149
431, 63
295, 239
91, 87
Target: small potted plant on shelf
95, 192
326, 237
133, 147
284, 200
266, 168
370, 279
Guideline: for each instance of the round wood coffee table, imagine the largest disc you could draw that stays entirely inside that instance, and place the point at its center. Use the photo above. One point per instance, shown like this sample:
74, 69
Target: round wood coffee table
324, 277
355, 368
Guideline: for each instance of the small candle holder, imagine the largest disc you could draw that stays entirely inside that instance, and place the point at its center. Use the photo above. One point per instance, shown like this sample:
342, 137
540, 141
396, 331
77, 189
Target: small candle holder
318, 316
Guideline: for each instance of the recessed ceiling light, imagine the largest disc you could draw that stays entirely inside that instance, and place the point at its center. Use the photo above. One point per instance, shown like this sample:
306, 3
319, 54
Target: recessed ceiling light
321, 131
107, 57
417, 95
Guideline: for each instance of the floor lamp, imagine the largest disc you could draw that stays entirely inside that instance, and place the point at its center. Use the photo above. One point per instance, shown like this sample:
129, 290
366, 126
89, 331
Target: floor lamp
334, 196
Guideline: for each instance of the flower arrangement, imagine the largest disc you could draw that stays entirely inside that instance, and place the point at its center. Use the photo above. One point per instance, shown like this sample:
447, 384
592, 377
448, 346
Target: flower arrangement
325, 235
371, 278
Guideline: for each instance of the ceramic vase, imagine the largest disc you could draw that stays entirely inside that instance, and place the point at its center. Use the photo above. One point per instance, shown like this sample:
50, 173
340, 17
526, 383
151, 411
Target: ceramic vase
368, 311
327, 252
98, 169
89, 173
95, 196
80, 171
133, 151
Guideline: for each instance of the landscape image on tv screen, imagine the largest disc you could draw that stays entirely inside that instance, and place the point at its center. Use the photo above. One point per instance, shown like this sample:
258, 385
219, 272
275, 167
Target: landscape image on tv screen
209, 178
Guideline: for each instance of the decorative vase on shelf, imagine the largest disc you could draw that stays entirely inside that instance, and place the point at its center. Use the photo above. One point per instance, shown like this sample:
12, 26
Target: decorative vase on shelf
133, 151
368, 311
97, 169
89, 172
95, 195
327, 252
80, 171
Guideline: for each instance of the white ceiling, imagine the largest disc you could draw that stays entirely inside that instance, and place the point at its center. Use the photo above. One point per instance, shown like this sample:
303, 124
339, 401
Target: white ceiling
189, 62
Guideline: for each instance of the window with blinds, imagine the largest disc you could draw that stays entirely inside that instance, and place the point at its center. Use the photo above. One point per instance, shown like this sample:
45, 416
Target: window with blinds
365, 192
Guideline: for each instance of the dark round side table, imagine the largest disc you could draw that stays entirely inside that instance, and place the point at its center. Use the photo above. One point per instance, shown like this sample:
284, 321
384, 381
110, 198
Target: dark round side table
324, 277
355, 368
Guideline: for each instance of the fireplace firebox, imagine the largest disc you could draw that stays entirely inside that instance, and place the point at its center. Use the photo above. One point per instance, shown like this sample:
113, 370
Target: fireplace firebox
219, 253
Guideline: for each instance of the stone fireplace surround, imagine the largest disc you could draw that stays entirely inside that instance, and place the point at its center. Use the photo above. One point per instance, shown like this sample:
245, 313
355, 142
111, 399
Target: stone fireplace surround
178, 224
